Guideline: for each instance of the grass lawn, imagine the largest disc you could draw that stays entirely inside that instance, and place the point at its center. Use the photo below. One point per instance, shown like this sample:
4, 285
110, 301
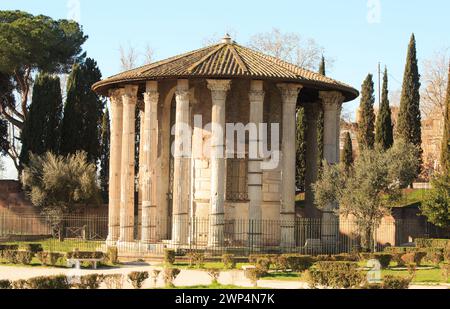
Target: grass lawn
422, 275
213, 286
411, 196
67, 245
206, 265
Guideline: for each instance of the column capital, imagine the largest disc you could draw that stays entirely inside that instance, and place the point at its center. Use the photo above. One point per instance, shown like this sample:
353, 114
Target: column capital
130, 93
256, 95
151, 96
331, 100
115, 95
219, 88
182, 95
289, 92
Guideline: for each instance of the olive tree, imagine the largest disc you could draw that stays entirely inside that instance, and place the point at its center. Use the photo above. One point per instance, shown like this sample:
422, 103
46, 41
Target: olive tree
368, 190
57, 184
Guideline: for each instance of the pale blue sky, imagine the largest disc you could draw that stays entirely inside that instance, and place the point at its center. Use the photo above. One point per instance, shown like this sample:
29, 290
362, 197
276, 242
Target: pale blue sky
341, 27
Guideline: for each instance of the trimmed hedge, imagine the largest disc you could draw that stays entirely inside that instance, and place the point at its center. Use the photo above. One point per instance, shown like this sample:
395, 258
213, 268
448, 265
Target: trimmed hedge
431, 242
35, 248
85, 255
9, 247
17, 257
392, 282
169, 256
46, 283
49, 258
5, 285
228, 260
137, 278
335, 275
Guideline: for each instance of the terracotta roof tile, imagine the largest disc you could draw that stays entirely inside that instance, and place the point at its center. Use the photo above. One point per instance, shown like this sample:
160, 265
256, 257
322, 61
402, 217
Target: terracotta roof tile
226, 60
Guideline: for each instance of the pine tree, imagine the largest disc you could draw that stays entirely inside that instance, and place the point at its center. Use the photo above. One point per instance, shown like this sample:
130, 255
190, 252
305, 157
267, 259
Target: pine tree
82, 112
300, 149
41, 131
445, 152
104, 155
383, 132
347, 157
408, 124
322, 67
366, 136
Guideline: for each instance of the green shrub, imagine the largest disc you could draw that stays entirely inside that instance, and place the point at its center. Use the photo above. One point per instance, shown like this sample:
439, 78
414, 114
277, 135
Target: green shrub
281, 263
263, 264
445, 271
392, 282
19, 284
5, 285
447, 253
169, 256
228, 261
383, 258
9, 247
17, 257
298, 262
85, 255
137, 278
112, 255
434, 255
401, 250
91, 281
35, 248
335, 275
372, 286
253, 274
413, 257
169, 276
113, 281
196, 259
46, 283
431, 242
49, 258
397, 258
345, 257
214, 273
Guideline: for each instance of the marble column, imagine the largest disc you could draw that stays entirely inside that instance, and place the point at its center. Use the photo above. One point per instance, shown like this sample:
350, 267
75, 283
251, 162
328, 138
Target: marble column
254, 174
219, 89
332, 104
115, 165
181, 191
129, 100
289, 96
147, 178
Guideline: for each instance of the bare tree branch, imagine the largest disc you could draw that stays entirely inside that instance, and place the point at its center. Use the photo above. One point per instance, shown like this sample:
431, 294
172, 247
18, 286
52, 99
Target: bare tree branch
435, 70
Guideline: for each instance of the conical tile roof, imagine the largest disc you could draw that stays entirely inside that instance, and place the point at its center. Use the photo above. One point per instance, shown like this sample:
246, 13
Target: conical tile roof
226, 60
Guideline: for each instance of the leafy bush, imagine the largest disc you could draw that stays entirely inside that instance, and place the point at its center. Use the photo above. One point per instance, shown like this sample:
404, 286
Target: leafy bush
196, 258
431, 242
263, 264
169, 256
253, 274
85, 255
46, 283
91, 281
214, 273
169, 276
137, 278
342, 257
335, 275
35, 248
112, 255
281, 263
113, 281
392, 282
228, 261
298, 262
383, 258
155, 275
17, 257
5, 285
445, 270
434, 255
447, 253
397, 258
19, 284
413, 257
49, 258
9, 247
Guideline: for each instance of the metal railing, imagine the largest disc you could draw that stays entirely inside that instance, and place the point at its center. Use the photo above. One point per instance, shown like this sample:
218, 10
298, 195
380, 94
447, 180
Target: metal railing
241, 237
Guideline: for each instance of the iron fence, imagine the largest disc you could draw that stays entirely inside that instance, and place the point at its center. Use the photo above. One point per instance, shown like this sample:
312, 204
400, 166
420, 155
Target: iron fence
241, 237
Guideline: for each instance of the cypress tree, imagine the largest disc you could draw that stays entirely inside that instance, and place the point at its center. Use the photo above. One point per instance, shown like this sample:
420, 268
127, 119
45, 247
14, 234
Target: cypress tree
104, 155
445, 150
83, 112
322, 69
383, 132
300, 149
42, 126
366, 136
347, 156
408, 124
